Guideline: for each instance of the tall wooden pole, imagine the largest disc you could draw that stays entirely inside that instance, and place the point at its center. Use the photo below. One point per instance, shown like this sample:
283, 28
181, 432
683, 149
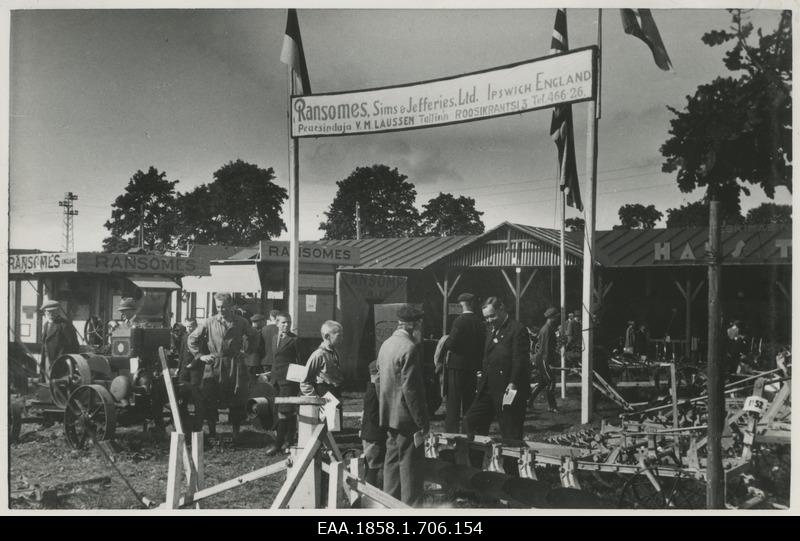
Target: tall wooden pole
562, 290
587, 356
715, 476
294, 212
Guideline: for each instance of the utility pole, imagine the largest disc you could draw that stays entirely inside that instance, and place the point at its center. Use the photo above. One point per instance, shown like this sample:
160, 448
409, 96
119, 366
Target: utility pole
69, 212
358, 221
141, 226
715, 491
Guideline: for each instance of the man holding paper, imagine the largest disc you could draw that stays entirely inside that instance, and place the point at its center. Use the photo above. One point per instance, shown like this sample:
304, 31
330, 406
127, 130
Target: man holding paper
503, 385
403, 408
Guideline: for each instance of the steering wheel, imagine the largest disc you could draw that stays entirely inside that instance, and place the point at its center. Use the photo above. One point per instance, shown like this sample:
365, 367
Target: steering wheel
94, 331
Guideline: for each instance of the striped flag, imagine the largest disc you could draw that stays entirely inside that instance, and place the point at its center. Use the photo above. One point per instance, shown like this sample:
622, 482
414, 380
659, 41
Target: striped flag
292, 53
640, 23
561, 125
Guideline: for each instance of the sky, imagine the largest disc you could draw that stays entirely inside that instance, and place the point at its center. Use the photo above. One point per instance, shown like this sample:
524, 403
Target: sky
96, 95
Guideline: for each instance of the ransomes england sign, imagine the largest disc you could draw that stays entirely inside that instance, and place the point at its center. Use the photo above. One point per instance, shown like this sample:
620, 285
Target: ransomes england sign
506, 90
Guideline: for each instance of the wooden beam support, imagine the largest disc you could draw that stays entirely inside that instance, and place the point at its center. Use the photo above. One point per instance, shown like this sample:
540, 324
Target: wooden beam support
305, 458
783, 290
528, 283
508, 281
236, 482
174, 472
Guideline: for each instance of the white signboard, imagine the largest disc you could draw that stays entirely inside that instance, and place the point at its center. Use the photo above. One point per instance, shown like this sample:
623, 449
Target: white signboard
506, 90
42, 262
311, 303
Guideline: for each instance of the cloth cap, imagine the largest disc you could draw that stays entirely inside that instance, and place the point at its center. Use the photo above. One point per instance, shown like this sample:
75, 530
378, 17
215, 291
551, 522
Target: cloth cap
257, 317
127, 304
50, 305
409, 314
466, 297
551, 312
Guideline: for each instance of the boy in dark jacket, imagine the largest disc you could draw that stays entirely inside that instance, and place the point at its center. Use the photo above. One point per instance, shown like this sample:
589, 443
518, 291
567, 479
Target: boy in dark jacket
373, 437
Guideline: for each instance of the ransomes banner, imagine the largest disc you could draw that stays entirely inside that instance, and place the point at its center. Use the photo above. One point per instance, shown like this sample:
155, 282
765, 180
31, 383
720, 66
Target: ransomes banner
506, 90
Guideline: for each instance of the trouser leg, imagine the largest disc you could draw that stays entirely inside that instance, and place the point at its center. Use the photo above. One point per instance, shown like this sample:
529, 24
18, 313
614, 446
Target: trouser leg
455, 393
411, 474
391, 465
479, 416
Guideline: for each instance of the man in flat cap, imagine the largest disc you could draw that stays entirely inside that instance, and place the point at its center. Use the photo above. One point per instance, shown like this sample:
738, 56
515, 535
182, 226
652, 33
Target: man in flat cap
465, 343
503, 386
547, 354
59, 337
403, 408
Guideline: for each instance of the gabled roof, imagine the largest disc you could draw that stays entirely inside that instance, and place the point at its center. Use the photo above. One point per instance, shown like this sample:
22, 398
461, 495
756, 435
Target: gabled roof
213, 252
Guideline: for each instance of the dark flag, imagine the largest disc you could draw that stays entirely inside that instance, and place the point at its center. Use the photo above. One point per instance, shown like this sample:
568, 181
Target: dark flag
640, 23
561, 125
292, 52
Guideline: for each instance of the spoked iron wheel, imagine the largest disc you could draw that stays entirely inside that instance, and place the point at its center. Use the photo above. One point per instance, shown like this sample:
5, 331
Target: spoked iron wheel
90, 413
67, 374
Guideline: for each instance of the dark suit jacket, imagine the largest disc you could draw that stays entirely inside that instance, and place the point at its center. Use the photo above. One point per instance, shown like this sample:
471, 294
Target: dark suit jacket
59, 338
505, 361
268, 333
191, 369
283, 355
466, 342
402, 401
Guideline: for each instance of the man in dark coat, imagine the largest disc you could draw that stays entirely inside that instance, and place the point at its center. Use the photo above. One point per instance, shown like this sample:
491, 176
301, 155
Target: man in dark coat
59, 337
503, 385
465, 344
284, 353
403, 408
373, 436
547, 354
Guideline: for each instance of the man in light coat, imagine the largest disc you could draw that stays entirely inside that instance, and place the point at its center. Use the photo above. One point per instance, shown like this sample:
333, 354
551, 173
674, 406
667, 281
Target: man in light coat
403, 408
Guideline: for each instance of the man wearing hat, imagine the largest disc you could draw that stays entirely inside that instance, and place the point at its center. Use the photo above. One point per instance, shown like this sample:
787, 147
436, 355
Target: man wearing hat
403, 408
127, 310
465, 344
547, 353
60, 337
504, 383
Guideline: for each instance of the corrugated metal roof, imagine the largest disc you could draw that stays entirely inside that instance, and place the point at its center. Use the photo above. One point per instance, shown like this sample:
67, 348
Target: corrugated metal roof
744, 245
414, 253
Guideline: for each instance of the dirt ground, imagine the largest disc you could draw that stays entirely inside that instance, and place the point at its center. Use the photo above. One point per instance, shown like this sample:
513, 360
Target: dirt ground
43, 458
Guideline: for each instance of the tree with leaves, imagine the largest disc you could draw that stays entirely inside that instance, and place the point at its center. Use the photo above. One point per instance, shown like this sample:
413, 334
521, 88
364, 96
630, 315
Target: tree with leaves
638, 216
149, 201
575, 224
240, 207
738, 131
769, 213
696, 215
446, 215
386, 205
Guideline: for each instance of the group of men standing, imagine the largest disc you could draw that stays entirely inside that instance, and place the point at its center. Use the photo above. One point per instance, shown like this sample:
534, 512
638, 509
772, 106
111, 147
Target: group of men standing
487, 375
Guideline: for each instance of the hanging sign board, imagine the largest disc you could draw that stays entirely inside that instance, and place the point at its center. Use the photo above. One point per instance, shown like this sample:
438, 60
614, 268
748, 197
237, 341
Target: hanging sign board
506, 90
310, 252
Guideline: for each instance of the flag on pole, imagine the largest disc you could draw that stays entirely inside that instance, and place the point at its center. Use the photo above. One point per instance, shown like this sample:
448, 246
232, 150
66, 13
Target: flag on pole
640, 23
292, 53
561, 125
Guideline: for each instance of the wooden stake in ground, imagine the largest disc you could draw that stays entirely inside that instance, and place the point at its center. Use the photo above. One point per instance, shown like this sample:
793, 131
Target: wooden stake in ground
715, 475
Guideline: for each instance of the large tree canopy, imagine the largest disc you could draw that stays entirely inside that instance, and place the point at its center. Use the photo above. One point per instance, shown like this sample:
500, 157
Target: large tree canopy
769, 213
386, 205
737, 131
241, 206
696, 215
447, 215
638, 216
149, 193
